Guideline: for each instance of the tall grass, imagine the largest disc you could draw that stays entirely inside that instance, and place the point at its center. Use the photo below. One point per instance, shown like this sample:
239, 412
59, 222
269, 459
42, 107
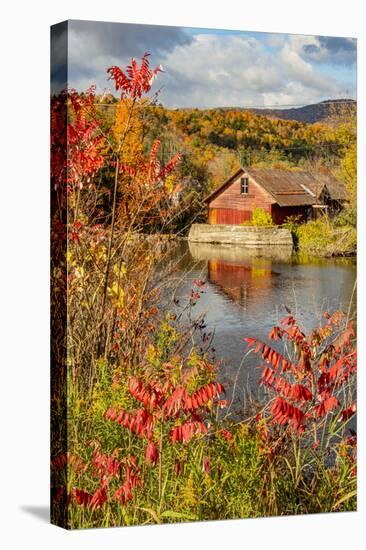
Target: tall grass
251, 468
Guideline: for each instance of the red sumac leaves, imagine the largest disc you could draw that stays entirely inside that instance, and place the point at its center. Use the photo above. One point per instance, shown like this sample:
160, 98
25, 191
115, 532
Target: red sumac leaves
136, 80
185, 432
326, 406
152, 454
284, 413
309, 390
270, 355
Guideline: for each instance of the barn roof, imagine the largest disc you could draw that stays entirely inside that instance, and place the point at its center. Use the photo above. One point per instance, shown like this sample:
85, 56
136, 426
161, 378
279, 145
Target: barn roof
286, 187
289, 188
336, 189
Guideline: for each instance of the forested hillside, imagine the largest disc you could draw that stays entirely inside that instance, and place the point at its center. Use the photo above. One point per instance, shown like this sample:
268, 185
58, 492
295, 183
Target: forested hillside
213, 143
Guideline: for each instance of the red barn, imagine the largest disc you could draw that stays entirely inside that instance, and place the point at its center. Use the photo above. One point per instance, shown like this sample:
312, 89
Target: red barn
282, 193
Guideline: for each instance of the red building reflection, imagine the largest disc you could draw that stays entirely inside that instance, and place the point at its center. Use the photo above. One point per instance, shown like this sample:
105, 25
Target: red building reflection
241, 282
243, 275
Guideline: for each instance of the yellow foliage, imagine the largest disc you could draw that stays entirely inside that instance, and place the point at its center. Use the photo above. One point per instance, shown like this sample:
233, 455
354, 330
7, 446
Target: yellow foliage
170, 183
117, 294
259, 218
224, 164
188, 493
132, 147
151, 354
349, 170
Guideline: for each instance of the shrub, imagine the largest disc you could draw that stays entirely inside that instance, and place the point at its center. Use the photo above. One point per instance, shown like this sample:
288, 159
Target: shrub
347, 217
308, 382
260, 218
322, 237
304, 424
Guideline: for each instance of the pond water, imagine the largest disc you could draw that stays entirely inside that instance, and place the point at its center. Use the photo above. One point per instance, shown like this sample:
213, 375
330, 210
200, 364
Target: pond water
245, 295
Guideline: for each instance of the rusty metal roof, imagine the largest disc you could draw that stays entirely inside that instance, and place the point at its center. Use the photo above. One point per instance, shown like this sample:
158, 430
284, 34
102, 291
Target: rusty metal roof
290, 188
337, 191
286, 187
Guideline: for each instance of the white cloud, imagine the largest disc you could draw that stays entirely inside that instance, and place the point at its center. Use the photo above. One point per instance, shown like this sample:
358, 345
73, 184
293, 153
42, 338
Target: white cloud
303, 72
95, 46
217, 70
213, 69
325, 49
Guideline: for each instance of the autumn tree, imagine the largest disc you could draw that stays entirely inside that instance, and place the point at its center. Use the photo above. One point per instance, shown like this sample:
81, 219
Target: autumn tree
349, 171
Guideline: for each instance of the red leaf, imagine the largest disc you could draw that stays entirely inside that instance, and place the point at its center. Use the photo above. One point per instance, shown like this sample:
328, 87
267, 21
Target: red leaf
348, 413
152, 454
285, 413
250, 341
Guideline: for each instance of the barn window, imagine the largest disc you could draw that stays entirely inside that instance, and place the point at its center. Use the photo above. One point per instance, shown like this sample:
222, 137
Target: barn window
244, 186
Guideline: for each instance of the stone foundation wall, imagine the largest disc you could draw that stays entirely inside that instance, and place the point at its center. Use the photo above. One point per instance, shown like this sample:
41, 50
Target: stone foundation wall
251, 237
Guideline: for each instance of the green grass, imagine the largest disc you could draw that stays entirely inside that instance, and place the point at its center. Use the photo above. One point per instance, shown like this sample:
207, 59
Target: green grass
243, 482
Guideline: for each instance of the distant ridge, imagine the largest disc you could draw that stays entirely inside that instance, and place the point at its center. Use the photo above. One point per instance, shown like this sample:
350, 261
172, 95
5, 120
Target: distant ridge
317, 112
328, 110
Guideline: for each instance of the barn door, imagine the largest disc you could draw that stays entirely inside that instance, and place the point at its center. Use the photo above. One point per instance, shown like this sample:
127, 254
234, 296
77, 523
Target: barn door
212, 216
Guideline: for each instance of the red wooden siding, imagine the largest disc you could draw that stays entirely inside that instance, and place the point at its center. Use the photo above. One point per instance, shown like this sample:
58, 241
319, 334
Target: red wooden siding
228, 216
232, 208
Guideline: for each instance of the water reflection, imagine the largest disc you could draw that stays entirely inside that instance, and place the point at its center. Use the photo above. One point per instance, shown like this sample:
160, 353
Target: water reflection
246, 293
241, 274
240, 282
255, 278
231, 253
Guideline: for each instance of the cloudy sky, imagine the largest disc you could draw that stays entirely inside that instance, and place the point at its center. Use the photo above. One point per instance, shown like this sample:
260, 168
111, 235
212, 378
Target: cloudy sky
215, 68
